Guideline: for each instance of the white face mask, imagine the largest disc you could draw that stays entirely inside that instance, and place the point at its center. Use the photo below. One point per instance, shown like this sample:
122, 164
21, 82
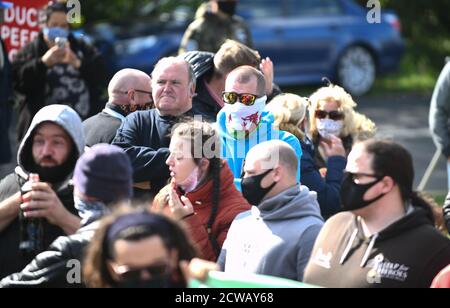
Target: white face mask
240, 117
327, 127
191, 182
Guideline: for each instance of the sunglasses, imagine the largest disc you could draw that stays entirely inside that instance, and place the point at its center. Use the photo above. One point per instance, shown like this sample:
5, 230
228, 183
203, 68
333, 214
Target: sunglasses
244, 98
333, 115
135, 274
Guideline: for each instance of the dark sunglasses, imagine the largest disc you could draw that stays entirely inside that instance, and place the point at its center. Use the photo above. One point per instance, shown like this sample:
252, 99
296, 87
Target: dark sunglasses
135, 274
244, 98
333, 115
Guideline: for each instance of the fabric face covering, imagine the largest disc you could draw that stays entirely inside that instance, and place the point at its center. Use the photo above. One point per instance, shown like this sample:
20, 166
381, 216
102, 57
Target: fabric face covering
240, 117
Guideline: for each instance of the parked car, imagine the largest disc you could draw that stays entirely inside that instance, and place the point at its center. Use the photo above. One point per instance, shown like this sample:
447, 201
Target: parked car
306, 39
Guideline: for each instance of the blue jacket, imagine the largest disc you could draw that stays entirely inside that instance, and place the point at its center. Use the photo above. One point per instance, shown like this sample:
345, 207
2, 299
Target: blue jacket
328, 189
235, 150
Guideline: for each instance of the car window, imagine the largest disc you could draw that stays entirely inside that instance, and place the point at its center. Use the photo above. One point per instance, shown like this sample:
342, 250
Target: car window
314, 7
261, 8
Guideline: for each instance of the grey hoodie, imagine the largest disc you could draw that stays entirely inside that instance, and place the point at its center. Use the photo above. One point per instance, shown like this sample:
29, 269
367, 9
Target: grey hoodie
10, 258
440, 112
275, 238
62, 115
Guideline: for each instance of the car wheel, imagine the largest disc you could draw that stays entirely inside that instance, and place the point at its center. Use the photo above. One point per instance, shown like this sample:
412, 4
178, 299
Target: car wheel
356, 70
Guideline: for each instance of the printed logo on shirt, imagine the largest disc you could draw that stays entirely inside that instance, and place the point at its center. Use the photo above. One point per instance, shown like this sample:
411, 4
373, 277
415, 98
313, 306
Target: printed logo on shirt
384, 269
323, 260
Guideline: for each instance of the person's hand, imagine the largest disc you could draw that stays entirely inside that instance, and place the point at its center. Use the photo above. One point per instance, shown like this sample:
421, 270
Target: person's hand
197, 269
54, 56
179, 208
42, 202
266, 68
72, 59
332, 146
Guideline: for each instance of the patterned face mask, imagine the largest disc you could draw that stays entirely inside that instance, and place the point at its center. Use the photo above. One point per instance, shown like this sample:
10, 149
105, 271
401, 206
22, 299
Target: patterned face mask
240, 117
327, 127
128, 109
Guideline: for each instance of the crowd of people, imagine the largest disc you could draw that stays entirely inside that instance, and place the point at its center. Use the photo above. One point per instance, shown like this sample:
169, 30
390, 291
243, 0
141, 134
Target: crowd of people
204, 164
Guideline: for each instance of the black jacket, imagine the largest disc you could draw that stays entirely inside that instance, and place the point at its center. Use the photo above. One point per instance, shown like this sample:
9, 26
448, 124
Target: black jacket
145, 137
102, 127
446, 210
57, 267
5, 109
407, 254
30, 75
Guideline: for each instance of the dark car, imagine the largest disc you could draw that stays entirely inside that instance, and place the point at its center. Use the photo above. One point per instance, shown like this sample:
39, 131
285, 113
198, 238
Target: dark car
306, 39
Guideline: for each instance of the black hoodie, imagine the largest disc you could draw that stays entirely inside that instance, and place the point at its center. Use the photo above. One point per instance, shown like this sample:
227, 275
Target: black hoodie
407, 254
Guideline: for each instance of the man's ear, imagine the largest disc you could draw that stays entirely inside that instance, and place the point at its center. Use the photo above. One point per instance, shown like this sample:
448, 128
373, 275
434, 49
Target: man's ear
131, 96
388, 184
192, 88
277, 173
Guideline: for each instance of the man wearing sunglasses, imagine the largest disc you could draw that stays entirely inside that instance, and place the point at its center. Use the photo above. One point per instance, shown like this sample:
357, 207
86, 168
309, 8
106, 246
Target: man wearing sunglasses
129, 91
242, 122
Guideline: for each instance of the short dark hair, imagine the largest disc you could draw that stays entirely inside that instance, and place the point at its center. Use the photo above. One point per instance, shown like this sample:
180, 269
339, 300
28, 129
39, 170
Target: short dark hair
53, 7
393, 160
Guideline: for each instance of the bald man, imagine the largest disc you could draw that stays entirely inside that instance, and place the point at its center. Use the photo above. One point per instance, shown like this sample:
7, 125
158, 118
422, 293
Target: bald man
129, 90
277, 235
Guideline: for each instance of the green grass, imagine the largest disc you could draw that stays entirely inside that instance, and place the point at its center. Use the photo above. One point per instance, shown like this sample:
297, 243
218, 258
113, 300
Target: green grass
439, 199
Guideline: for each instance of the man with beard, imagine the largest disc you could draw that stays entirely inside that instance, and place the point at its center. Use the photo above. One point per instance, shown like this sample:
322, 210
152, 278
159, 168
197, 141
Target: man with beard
129, 90
50, 149
216, 21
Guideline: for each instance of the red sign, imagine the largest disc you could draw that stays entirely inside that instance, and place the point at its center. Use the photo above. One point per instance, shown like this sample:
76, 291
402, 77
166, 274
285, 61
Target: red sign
21, 24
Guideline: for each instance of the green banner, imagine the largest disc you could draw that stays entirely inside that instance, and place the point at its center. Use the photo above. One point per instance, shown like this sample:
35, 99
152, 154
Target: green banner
227, 280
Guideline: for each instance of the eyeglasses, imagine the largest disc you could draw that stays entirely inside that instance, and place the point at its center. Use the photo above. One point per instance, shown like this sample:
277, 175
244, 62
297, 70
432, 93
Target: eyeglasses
245, 98
333, 115
357, 176
135, 274
135, 90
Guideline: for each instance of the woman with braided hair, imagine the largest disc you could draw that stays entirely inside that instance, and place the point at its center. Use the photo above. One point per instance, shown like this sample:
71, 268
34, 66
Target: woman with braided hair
201, 192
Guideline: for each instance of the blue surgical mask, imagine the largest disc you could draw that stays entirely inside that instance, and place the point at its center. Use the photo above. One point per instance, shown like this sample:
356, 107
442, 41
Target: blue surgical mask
54, 32
90, 211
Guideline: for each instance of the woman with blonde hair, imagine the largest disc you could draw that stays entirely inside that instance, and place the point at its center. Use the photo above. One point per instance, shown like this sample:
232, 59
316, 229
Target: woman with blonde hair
332, 113
289, 111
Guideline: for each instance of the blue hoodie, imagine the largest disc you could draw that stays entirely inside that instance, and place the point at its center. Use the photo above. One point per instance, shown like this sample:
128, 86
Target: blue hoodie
235, 150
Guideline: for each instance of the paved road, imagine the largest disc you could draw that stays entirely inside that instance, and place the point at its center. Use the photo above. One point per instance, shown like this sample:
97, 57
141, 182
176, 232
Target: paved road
404, 119
401, 117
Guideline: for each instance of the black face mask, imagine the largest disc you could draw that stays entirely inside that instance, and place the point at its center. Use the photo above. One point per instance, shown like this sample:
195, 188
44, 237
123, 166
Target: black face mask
252, 190
352, 194
227, 7
153, 283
